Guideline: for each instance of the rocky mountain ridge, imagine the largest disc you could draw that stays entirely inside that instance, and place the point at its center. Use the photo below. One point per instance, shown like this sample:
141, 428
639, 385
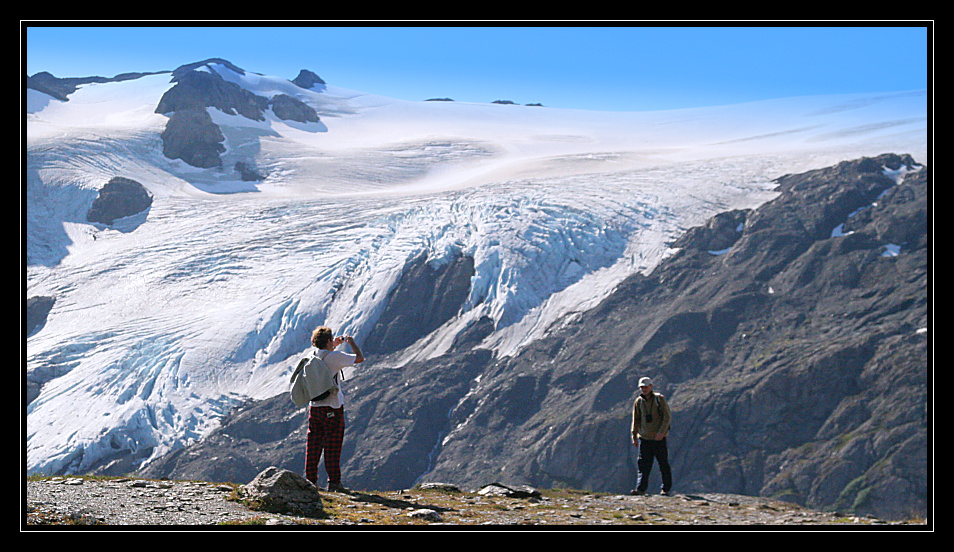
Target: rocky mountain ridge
190, 134
791, 341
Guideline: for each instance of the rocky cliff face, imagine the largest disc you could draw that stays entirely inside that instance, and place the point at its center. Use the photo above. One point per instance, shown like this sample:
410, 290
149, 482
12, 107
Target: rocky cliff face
425, 298
790, 340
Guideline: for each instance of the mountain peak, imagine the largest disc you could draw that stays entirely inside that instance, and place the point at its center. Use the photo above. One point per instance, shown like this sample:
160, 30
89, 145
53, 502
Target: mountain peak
306, 79
191, 135
183, 69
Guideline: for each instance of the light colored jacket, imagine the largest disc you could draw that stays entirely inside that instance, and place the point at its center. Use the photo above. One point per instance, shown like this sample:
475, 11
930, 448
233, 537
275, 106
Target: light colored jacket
311, 378
651, 417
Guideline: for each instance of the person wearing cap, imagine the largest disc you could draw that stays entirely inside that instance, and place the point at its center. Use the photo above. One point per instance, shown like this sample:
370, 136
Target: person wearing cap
650, 428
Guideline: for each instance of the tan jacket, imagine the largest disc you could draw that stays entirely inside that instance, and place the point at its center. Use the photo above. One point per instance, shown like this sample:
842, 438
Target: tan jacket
651, 417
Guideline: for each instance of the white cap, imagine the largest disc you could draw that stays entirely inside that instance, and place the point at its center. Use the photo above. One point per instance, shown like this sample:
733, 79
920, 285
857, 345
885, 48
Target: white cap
645, 381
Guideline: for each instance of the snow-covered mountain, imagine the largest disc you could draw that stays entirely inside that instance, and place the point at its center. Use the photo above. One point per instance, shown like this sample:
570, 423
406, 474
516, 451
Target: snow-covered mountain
166, 320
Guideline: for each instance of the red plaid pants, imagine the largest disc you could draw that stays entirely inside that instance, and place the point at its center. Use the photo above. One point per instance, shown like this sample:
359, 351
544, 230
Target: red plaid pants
326, 427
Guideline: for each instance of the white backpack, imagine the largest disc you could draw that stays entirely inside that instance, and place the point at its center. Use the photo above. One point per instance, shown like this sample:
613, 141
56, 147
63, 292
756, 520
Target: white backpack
312, 380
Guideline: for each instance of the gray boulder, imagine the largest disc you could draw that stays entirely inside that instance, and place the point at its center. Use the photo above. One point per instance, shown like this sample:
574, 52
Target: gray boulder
283, 491
499, 489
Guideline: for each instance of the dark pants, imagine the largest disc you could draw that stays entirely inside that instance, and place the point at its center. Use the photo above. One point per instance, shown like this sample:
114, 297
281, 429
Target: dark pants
648, 451
326, 427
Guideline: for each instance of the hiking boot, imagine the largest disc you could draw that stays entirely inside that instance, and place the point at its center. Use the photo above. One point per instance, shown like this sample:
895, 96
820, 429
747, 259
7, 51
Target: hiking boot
637, 492
337, 488
665, 493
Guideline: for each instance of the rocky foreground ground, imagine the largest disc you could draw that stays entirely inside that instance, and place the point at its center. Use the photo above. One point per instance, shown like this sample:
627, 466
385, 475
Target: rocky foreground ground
72, 501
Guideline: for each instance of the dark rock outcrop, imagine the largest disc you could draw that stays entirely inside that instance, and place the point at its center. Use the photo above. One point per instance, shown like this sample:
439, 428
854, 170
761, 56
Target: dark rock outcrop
248, 172
292, 109
52, 86
191, 135
120, 197
307, 80
61, 88
38, 308
718, 234
424, 298
795, 360
201, 89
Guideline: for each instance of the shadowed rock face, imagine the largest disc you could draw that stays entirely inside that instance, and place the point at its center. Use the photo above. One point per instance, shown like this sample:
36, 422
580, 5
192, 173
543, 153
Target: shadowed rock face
790, 341
792, 357
200, 89
38, 308
288, 108
423, 299
119, 198
190, 135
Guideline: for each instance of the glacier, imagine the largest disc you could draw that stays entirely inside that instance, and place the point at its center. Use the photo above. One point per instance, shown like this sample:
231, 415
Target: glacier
165, 321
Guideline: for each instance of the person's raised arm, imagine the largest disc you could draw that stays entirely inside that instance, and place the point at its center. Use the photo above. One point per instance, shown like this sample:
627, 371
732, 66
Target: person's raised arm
359, 358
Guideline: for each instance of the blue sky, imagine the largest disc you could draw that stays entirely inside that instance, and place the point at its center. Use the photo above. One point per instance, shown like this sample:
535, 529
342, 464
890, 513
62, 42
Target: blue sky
618, 68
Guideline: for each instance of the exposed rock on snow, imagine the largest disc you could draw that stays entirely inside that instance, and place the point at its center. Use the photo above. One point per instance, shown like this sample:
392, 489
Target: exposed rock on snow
307, 79
288, 108
119, 198
61, 88
191, 136
197, 88
37, 310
